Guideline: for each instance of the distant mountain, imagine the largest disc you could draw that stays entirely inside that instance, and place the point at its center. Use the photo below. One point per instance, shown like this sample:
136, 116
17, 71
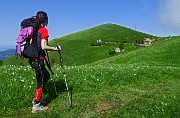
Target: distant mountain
6, 53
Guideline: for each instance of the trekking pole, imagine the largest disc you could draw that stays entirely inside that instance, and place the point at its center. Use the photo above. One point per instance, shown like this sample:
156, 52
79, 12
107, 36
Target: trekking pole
49, 67
63, 71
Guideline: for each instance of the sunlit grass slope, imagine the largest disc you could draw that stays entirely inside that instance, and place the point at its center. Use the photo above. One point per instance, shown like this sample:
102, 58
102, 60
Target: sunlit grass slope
77, 49
163, 53
140, 83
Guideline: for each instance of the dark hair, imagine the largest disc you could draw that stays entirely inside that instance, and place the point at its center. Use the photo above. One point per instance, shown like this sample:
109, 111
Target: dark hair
42, 17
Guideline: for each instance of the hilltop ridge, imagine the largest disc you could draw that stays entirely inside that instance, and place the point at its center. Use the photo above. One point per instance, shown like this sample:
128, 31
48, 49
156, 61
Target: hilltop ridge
77, 48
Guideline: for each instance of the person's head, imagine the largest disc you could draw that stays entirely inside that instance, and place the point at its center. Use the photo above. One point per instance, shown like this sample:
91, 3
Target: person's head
42, 18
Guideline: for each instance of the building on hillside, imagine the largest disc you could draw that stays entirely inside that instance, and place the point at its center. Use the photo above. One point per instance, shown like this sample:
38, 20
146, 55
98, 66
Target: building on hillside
148, 41
117, 50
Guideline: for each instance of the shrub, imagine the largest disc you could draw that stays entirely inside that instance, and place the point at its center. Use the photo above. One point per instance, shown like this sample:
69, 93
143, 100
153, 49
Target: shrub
112, 52
97, 43
140, 41
121, 45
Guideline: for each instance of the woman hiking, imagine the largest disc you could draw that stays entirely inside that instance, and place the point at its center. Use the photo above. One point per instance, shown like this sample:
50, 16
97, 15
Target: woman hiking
42, 75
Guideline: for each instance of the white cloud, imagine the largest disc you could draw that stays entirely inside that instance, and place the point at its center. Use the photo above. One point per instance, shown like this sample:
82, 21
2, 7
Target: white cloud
169, 15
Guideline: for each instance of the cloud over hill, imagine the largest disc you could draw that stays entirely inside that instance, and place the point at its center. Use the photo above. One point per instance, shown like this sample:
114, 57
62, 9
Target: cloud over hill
169, 13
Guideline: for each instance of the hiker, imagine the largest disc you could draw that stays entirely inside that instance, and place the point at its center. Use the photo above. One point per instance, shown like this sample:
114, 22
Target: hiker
42, 75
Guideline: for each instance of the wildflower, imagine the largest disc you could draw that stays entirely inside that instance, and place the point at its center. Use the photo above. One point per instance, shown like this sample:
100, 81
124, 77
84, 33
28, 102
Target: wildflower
22, 80
163, 103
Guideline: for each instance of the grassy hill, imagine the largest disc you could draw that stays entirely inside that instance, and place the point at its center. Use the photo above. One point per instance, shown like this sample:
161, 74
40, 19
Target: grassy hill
140, 82
76, 49
163, 53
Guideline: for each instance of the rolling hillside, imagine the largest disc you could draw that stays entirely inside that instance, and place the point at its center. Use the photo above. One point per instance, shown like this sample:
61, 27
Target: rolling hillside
139, 82
163, 53
76, 49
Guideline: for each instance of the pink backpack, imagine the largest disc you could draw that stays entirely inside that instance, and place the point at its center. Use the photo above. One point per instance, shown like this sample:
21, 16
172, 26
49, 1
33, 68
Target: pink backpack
24, 34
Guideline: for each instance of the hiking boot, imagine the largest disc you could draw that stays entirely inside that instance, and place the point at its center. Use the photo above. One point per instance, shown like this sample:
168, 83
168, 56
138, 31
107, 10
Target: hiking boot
38, 108
42, 102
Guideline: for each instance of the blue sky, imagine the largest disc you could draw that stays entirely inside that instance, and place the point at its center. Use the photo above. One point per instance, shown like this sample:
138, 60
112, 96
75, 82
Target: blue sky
156, 17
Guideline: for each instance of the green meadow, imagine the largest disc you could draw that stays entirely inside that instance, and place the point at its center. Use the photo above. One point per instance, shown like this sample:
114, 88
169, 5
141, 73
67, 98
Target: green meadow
139, 82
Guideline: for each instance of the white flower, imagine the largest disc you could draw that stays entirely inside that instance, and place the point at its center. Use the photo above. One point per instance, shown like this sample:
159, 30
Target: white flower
22, 80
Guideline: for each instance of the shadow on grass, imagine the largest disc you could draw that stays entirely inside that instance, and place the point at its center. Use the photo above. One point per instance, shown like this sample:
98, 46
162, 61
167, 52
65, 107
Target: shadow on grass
50, 93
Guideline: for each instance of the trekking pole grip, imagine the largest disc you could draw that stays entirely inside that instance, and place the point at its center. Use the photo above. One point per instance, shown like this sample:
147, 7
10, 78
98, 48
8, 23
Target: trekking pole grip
59, 51
58, 48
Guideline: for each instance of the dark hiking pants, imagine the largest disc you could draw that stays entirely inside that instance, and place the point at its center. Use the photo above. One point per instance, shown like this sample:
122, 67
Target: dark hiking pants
42, 75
